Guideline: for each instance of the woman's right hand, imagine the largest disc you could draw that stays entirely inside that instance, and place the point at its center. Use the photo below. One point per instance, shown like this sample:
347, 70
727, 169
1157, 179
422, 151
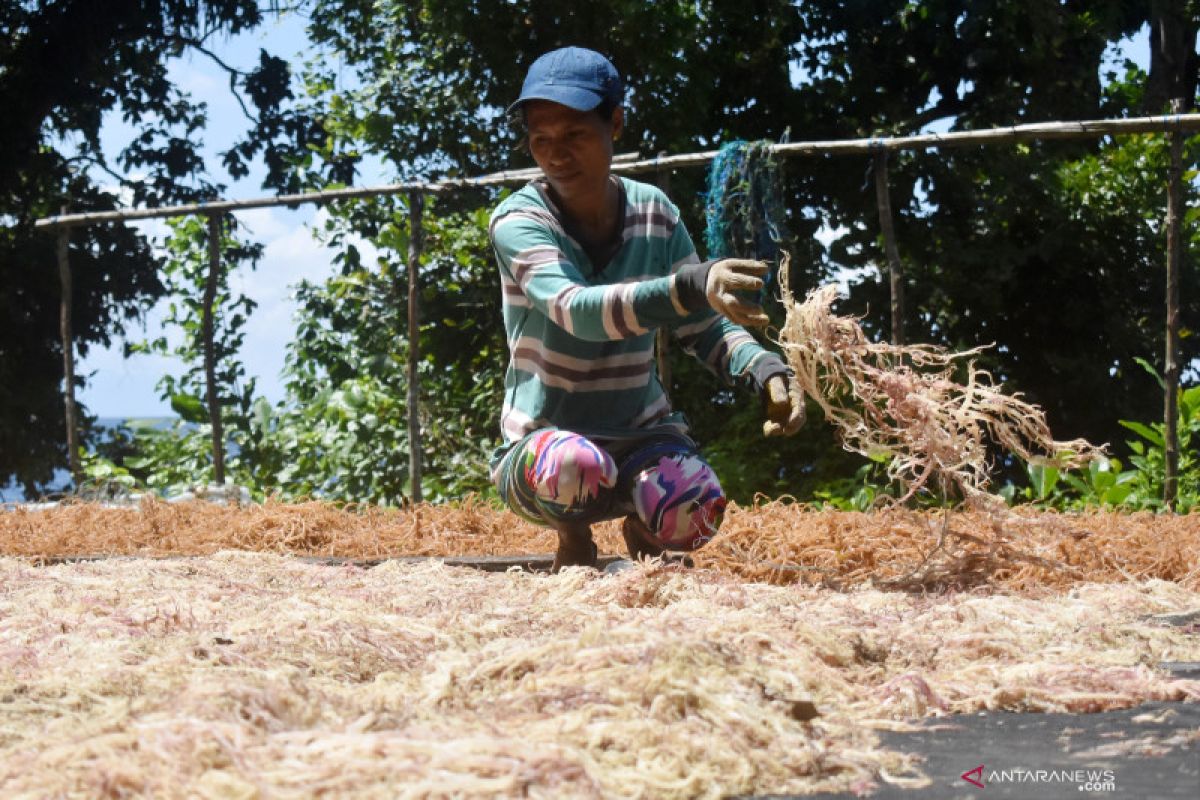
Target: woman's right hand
729, 276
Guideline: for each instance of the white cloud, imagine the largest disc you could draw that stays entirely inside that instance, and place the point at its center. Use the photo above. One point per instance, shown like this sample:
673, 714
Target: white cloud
263, 224
291, 256
197, 79
125, 387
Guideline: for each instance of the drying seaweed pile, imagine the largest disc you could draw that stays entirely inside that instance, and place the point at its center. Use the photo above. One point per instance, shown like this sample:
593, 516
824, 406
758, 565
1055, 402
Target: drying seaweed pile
777, 542
253, 675
1023, 551
928, 412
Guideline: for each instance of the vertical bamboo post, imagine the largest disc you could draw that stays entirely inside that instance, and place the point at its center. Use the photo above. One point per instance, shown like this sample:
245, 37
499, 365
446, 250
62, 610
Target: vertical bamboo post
662, 340
67, 337
210, 357
895, 269
416, 202
1174, 264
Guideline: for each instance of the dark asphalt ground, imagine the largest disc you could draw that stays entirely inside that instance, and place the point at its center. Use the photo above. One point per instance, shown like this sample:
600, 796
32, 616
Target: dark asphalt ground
1151, 751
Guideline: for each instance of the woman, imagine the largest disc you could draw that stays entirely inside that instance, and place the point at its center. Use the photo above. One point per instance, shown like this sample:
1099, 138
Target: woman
591, 265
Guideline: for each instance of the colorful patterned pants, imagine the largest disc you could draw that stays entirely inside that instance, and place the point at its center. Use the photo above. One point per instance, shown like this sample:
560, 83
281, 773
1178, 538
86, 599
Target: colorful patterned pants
554, 476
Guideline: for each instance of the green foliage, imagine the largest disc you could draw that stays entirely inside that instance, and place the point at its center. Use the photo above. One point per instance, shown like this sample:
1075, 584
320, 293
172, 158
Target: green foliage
1053, 252
114, 281
185, 274
1149, 457
172, 458
434, 76
180, 456
342, 431
996, 245
1103, 484
1107, 484
106, 479
348, 443
858, 493
145, 455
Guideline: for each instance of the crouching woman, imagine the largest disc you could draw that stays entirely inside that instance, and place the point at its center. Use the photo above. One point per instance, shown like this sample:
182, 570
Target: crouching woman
591, 266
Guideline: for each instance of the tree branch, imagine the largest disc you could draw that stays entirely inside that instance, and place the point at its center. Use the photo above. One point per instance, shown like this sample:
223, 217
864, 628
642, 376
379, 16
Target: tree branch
123, 180
946, 107
234, 72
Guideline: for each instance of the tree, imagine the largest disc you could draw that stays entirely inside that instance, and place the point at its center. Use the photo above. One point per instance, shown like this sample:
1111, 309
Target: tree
66, 65
436, 75
342, 431
177, 457
1174, 62
114, 278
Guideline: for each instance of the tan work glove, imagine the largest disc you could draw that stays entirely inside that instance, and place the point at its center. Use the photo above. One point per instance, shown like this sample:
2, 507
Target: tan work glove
785, 406
731, 275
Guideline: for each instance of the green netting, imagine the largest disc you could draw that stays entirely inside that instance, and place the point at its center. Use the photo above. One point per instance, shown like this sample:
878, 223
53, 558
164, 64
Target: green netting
744, 211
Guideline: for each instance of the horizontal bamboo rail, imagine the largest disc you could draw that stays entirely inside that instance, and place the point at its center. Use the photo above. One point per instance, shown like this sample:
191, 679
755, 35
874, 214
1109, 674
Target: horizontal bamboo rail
1083, 129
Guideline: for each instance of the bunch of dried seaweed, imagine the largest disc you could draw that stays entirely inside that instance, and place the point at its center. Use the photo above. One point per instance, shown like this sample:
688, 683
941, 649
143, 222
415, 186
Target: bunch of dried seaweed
928, 412
250, 675
783, 542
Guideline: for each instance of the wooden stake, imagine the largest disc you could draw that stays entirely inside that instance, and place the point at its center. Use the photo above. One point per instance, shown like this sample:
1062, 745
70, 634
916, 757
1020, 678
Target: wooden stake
895, 268
68, 350
206, 332
416, 202
1174, 264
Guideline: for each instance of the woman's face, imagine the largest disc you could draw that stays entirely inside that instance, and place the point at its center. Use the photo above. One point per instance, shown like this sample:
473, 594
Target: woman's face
573, 148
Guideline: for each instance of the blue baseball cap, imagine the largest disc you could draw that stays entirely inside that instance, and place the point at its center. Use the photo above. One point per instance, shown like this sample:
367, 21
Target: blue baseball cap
573, 76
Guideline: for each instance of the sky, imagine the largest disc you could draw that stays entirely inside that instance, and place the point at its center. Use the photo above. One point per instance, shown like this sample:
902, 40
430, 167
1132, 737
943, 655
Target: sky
120, 387
125, 387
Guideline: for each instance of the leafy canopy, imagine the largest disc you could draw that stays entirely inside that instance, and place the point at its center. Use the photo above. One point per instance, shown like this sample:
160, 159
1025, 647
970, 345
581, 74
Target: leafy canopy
66, 68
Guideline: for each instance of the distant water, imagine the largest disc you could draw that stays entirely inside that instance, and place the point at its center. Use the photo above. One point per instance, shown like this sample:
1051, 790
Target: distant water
11, 491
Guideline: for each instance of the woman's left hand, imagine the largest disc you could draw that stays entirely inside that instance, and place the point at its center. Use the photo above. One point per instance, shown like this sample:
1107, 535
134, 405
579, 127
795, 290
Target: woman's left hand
784, 406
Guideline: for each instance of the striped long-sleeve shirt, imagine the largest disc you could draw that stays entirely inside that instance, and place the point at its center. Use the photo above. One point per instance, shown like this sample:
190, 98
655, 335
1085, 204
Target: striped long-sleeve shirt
581, 334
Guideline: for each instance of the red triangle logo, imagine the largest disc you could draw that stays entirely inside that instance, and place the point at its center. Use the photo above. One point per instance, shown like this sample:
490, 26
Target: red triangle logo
977, 772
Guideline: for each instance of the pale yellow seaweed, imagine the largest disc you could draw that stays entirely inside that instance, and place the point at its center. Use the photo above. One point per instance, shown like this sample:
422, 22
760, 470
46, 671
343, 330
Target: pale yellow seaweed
255, 675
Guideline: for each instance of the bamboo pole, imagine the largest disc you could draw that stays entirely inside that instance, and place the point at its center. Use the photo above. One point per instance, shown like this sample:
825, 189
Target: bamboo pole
416, 202
1080, 129
1174, 265
206, 332
883, 200
662, 339
68, 350
1083, 129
